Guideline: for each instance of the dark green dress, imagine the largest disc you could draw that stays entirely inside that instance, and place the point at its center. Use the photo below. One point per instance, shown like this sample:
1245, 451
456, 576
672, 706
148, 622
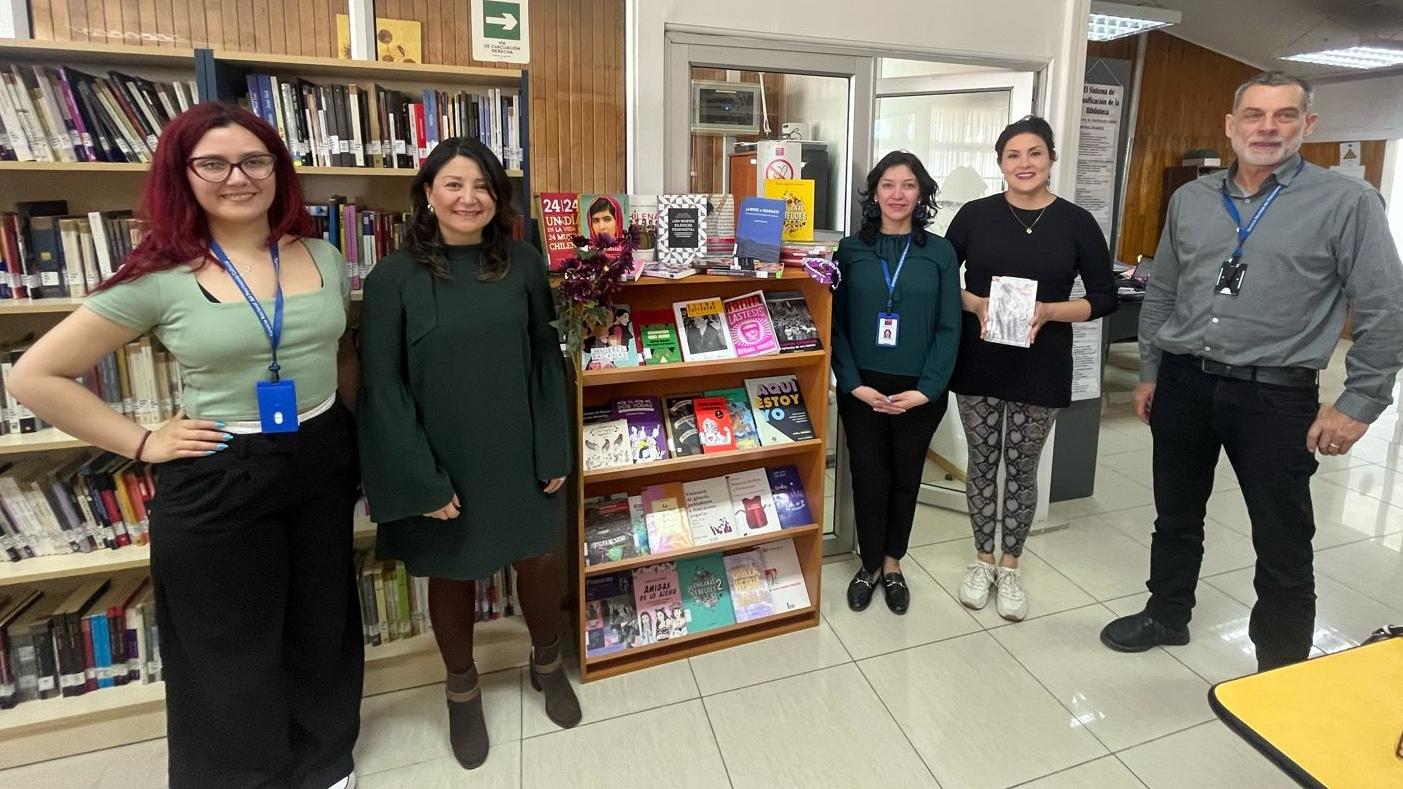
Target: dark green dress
462, 390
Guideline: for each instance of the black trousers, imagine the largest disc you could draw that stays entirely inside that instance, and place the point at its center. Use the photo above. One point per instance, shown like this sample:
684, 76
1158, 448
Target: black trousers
257, 608
887, 455
1263, 428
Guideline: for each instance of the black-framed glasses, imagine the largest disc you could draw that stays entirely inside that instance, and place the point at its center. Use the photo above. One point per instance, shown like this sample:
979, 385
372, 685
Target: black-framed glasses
216, 170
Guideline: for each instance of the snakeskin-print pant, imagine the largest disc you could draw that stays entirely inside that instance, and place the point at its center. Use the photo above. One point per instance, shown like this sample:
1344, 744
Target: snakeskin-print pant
1014, 433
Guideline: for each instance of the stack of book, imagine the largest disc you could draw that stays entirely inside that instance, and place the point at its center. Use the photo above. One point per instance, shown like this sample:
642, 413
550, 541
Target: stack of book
100, 634
64, 115
366, 125
77, 503
679, 515
669, 600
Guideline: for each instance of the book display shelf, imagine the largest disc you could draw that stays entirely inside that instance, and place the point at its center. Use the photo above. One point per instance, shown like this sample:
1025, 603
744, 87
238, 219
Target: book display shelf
42, 729
597, 388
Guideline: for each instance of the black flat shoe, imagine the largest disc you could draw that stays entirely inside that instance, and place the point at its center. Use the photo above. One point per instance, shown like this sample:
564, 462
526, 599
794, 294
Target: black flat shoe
898, 594
1140, 632
860, 590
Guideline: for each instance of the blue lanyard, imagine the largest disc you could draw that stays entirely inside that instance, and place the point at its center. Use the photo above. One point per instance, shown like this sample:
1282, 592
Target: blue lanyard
273, 328
1245, 231
892, 278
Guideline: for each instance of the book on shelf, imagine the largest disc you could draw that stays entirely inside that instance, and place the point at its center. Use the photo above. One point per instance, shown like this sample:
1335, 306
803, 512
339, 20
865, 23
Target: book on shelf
791, 503
665, 517
682, 436
778, 405
797, 197
647, 438
793, 323
720, 223
748, 321
11, 610
701, 327
709, 512
60, 114
784, 576
609, 535
643, 221
611, 615
603, 215
606, 444
363, 124
761, 230
47, 253
362, 235
750, 591
794, 254
706, 592
559, 216
1012, 301
638, 518
747, 436
713, 415
657, 594
681, 228
752, 502
657, 334
614, 343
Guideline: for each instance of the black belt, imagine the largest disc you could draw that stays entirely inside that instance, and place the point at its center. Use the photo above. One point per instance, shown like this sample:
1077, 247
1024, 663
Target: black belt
1274, 376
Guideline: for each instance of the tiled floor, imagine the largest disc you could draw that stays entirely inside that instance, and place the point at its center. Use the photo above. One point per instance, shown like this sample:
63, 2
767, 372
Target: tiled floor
943, 696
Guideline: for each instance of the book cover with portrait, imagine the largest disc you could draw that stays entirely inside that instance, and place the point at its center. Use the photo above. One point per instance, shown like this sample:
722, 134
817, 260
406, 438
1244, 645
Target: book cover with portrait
657, 594
748, 320
701, 328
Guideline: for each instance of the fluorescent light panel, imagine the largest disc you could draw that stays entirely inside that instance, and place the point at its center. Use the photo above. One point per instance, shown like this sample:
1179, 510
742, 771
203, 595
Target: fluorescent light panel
1360, 57
1110, 21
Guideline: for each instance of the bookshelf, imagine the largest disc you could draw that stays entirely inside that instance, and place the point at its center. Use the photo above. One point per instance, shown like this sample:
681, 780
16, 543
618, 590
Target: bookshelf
598, 387
45, 729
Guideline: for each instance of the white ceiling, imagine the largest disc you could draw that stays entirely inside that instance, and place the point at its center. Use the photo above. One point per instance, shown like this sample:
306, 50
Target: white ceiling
1255, 31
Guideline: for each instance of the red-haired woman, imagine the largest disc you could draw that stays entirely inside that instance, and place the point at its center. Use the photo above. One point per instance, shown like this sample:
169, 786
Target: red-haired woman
251, 527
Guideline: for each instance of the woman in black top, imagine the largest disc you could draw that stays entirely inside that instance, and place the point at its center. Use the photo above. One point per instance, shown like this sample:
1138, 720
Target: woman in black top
1008, 395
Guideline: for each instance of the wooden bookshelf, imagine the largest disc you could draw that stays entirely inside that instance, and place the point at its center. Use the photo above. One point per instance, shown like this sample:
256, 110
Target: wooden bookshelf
71, 167
598, 387
378, 172
46, 440
84, 53
335, 68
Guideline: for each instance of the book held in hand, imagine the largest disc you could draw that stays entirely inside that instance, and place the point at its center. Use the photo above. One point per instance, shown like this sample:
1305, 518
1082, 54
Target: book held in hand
701, 326
1011, 304
778, 405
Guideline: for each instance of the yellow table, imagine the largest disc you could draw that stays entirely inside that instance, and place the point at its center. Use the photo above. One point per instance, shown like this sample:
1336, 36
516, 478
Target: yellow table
1334, 721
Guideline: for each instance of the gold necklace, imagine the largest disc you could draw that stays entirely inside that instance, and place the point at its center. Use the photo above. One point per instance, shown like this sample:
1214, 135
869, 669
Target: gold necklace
1027, 228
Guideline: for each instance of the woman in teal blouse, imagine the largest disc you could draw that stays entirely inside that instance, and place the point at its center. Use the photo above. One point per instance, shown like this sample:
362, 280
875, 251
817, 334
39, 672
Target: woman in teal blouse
464, 429
896, 330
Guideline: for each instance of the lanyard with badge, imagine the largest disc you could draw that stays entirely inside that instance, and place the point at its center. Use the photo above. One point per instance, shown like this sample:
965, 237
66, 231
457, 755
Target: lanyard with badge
277, 398
888, 322
1234, 269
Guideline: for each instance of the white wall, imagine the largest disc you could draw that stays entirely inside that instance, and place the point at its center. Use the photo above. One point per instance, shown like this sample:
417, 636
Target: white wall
1051, 32
1368, 108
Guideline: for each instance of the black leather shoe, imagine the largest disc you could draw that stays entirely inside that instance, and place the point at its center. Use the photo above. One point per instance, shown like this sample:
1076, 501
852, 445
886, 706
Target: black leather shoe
898, 594
860, 590
1140, 632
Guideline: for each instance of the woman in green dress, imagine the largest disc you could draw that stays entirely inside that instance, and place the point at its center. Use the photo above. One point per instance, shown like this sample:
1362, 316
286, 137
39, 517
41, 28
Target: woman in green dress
464, 432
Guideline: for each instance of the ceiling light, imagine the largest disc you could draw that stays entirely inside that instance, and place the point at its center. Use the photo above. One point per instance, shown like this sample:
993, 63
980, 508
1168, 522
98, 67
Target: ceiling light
1353, 53
1115, 20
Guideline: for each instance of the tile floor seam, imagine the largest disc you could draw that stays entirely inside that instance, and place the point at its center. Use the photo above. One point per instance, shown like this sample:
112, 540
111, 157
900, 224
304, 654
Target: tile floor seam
1209, 722
583, 725
1058, 699
823, 620
1130, 770
1068, 578
1345, 583
776, 679
712, 725
904, 734
1107, 755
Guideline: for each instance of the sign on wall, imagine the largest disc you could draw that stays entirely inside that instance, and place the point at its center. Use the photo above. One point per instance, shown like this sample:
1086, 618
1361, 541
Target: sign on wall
501, 31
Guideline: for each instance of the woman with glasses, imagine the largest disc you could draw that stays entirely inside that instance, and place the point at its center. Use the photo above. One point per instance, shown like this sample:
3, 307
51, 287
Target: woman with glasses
251, 526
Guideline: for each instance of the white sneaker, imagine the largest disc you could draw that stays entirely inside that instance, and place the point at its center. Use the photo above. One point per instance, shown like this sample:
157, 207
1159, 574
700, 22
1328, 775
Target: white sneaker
1012, 600
974, 591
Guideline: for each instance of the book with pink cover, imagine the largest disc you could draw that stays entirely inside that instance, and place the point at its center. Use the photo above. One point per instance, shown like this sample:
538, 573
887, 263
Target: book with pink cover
748, 320
657, 593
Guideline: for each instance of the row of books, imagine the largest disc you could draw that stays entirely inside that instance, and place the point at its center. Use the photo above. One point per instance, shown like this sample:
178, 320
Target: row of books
76, 503
677, 515
47, 252
692, 595
366, 125
100, 634
395, 605
362, 235
753, 324
64, 115
683, 234
764, 412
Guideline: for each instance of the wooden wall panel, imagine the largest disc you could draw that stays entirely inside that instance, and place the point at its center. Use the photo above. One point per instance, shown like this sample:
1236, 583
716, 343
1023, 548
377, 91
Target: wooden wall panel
577, 76
709, 161
1185, 94
1371, 155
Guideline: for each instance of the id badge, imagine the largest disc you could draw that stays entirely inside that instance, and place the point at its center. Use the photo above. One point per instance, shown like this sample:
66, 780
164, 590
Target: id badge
1230, 278
886, 329
277, 406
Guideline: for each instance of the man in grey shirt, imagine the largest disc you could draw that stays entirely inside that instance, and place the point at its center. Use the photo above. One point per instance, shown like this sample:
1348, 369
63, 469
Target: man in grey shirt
1245, 304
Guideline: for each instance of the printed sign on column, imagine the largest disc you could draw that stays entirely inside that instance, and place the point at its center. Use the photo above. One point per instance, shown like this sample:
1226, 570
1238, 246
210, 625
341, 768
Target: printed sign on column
501, 31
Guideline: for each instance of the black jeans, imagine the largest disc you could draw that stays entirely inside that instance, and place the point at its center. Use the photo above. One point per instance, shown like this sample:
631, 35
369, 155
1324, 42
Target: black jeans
256, 603
887, 456
1263, 428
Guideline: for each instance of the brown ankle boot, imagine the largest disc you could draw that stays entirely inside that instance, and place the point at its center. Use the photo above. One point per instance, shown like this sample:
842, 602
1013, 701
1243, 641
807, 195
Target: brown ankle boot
467, 729
548, 676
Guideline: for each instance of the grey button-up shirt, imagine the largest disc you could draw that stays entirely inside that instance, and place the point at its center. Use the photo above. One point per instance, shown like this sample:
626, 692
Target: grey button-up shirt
1322, 246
